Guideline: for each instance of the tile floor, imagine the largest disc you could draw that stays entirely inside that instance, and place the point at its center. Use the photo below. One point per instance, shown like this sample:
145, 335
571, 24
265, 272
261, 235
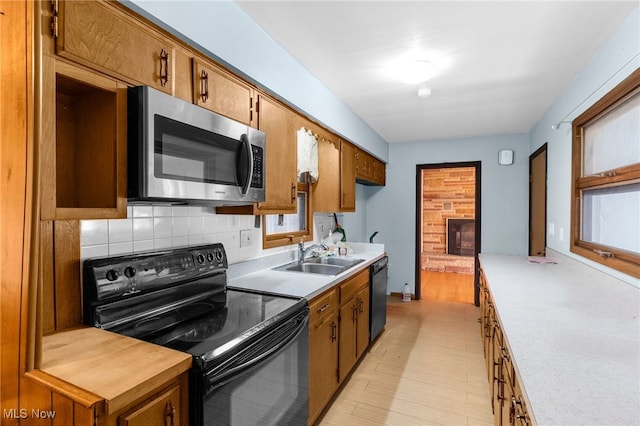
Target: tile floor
427, 368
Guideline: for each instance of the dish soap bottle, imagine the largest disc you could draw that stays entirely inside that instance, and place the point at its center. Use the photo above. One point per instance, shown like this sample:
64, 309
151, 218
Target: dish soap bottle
406, 293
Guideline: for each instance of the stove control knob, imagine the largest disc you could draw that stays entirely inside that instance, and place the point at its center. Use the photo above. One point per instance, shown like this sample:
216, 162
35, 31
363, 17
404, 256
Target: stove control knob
200, 258
112, 275
210, 257
219, 255
130, 271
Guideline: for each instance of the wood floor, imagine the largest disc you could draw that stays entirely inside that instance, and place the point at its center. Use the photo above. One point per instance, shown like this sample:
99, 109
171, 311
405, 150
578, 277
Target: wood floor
427, 368
447, 286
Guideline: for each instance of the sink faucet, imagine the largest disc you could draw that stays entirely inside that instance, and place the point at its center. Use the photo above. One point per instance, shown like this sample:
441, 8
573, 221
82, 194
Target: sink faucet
302, 251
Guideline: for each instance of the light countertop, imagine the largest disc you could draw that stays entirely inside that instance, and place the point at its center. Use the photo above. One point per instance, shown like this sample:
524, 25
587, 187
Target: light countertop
574, 336
306, 285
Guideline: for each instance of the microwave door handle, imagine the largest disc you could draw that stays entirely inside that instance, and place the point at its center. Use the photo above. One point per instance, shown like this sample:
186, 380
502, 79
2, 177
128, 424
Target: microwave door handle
247, 146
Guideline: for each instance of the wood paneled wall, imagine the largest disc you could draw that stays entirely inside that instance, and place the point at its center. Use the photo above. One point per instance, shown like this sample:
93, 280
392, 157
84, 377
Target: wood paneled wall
61, 299
16, 160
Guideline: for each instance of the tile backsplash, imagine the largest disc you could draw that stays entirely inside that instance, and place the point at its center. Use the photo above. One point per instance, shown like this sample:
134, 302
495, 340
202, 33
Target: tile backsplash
152, 227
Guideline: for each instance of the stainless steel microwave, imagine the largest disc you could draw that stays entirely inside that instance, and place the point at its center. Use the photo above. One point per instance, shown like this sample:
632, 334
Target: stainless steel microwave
182, 153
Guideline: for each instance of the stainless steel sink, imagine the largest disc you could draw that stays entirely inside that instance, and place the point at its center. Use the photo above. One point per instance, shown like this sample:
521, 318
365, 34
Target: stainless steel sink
338, 261
320, 265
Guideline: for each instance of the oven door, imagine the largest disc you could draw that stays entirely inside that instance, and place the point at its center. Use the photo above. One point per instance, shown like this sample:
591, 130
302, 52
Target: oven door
265, 383
186, 152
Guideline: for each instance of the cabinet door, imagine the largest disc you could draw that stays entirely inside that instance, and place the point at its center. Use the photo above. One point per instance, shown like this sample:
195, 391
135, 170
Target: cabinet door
103, 37
347, 176
519, 414
164, 409
325, 193
369, 170
323, 363
362, 339
83, 144
277, 122
379, 172
348, 335
221, 92
497, 397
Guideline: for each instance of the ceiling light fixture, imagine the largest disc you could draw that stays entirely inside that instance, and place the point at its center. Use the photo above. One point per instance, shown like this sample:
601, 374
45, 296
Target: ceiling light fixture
424, 92
413, 72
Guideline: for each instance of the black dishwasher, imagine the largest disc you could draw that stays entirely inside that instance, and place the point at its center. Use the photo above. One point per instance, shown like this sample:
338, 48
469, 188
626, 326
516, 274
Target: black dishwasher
378, 298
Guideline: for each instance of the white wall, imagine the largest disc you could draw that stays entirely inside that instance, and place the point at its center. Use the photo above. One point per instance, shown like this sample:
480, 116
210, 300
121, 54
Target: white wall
504, 205
618, 58
226, 32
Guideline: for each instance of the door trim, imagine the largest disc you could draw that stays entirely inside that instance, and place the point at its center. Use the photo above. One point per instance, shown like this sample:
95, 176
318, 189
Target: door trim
478, 216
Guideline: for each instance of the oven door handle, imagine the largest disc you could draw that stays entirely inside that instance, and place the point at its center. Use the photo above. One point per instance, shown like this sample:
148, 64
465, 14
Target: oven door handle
218, 380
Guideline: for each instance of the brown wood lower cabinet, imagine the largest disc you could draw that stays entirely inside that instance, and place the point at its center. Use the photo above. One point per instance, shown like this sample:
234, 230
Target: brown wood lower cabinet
90, 376
508, 404
354, 313
323, 351
66, 404
164, 408
338, 337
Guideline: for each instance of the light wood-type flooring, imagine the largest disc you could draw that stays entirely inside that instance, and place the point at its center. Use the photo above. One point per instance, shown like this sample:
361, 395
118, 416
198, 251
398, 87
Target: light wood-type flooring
426, 368
447, 286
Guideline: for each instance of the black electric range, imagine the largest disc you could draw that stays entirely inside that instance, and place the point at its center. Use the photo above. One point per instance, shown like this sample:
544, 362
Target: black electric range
179, 299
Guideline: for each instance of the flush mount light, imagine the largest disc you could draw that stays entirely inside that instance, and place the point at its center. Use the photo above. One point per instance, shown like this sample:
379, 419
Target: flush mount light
424, 92
415, 71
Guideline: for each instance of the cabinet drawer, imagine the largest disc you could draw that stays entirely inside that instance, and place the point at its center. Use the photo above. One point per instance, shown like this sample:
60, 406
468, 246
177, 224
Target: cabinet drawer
352, 285
322, 306
163, 409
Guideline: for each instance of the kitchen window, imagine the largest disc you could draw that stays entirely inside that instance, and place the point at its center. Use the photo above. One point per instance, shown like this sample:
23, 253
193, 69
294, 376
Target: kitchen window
284, 229
606, 179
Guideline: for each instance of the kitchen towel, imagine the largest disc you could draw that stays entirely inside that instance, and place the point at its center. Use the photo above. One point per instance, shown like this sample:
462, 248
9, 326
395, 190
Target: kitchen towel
307, 154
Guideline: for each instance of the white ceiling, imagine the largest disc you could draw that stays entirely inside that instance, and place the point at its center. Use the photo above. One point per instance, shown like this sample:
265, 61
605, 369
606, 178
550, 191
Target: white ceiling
502, 63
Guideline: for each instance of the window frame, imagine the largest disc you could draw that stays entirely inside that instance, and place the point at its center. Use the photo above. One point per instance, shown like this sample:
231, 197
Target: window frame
615, 258
288, 238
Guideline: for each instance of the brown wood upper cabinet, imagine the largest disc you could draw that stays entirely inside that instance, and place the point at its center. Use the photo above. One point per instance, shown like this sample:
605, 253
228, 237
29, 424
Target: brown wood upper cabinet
221, 92
83, 144
369, 170
105, 38
347, 176
278, 123
336, 186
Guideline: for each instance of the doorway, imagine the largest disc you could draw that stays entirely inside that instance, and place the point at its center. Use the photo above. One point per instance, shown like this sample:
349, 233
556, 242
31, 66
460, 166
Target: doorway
448, 231
538, 202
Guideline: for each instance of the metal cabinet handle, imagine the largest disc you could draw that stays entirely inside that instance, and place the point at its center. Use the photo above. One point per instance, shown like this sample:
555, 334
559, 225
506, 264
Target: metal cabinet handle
323, 307
294, 193
164, 67
334, 329
169, 414
204, 85
361, 305
355, 313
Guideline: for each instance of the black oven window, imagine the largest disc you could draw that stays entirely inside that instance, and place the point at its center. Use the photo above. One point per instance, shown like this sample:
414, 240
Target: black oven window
189, 153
